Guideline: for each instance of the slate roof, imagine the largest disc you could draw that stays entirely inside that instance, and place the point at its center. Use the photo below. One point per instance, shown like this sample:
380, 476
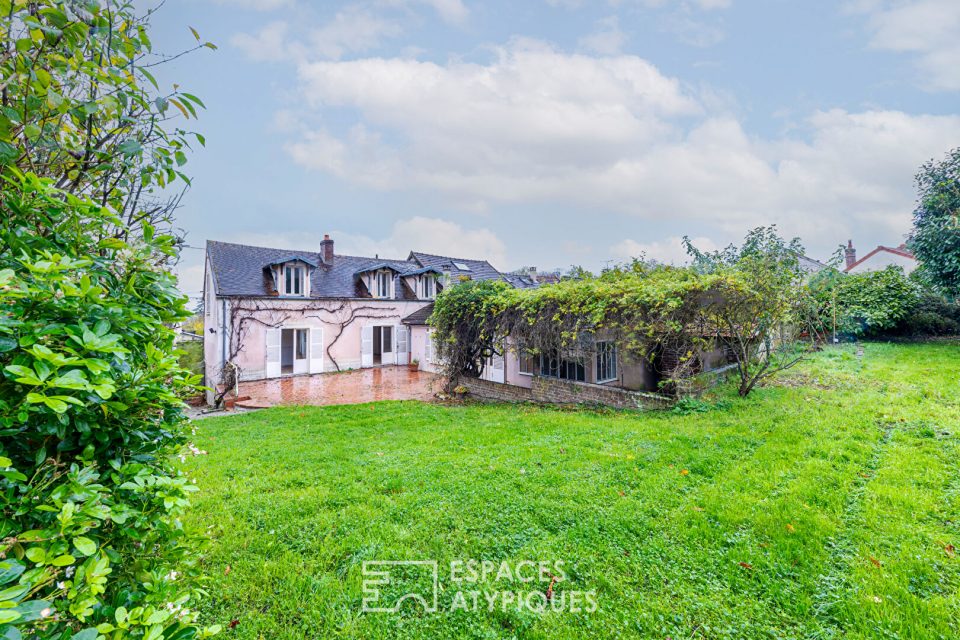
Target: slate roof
478, 269
240, 270
419, 317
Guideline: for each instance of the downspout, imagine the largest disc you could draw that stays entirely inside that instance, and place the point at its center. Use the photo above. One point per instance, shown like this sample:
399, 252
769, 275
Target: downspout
223, 335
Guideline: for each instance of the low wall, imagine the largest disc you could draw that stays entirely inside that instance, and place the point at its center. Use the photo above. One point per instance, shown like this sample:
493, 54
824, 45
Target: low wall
554, 391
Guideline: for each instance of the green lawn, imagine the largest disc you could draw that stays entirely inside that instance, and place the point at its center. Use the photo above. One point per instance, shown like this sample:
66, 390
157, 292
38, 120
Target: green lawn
824, 506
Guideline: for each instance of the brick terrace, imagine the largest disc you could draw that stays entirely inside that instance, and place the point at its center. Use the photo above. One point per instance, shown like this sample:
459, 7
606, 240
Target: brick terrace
352, 387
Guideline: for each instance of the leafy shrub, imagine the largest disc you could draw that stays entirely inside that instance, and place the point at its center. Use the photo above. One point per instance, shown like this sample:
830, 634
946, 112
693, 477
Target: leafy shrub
89, 420
874, 302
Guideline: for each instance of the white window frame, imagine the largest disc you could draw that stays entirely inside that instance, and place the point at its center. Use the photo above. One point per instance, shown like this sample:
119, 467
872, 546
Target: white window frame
427, 281
524, 355
299, 278
606, 362
387, 276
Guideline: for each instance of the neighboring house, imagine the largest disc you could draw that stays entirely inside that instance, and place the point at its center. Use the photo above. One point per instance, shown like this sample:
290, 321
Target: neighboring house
810, 265
278, 312
879, 259
537, 277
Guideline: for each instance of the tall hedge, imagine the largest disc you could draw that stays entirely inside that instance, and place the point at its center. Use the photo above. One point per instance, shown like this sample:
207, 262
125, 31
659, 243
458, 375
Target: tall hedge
89, 422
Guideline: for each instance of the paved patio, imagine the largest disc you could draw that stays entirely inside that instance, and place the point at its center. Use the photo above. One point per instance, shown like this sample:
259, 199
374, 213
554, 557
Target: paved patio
352, 387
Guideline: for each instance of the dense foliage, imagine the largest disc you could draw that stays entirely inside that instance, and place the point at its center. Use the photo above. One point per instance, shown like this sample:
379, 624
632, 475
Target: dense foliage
888, 303
81, 106
935, 238
875, 301
90, 419
773, 320
89, 380
748, 301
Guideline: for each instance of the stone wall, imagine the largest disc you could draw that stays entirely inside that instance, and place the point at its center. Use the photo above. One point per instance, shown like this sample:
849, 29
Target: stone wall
553, 391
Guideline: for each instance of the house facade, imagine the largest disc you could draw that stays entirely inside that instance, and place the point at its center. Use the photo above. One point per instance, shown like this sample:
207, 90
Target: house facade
271, 313
275, 312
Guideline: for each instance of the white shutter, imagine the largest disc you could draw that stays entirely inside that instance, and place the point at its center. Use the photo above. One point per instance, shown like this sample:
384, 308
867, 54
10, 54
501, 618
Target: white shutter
366, 347
316, 350
389, 357
428, 346
403, 344
273, 353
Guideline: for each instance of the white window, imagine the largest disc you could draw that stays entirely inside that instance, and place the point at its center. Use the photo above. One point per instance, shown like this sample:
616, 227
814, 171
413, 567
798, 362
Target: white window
606, 361
294, 281
427, 287
553, 365
461, 266
526, 361
383, 283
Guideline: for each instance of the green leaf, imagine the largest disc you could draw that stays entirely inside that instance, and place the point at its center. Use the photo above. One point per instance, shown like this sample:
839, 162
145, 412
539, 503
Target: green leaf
86, 634
64, 560
36, 554
33, 610
9, 615
86, 546
5, 461
14, 593
32, 132
57, 405
10, 570
7, 344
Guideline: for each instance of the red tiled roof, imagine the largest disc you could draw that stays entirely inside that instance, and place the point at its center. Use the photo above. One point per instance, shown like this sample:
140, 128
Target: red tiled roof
899, 251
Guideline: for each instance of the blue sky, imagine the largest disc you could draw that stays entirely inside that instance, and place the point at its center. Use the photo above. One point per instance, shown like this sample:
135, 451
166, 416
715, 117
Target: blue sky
558, 132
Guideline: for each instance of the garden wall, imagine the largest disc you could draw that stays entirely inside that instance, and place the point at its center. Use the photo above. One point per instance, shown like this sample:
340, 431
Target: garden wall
553, 391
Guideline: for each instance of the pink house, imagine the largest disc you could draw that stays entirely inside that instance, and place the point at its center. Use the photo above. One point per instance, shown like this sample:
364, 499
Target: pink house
278, 312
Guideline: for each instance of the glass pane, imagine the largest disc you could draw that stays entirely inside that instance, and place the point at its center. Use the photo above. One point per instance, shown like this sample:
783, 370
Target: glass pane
301, 344
387, 339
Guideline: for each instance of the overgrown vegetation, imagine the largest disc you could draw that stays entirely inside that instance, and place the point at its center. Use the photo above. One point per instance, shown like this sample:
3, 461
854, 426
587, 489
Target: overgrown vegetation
887, 303
822, 507
935, 238
89, 410
753, 301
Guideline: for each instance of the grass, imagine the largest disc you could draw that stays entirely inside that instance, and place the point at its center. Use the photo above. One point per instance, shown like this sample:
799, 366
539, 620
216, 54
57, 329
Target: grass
823, 506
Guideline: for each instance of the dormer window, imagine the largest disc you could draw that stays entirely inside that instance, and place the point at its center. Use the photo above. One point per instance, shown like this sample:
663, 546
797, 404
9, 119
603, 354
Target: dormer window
428, 287
294, 280
462, 266
384, 279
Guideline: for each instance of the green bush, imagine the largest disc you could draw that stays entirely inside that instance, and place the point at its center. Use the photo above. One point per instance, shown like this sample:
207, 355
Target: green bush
890, 304
89, 422
871, 303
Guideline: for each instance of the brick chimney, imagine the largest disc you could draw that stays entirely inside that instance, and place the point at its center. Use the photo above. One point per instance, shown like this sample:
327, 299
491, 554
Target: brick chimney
326, 250
850, 254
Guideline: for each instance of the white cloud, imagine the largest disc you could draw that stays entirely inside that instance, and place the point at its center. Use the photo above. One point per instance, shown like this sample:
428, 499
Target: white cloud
429, 235
351, 30
607, 38
270, 44
668, 251
258, 5
609, 133
929, 29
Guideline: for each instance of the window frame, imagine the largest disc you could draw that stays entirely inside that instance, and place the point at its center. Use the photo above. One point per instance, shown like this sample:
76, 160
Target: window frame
606, 362
557, 367
387, 277
428, 281
294, 280
525, 356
